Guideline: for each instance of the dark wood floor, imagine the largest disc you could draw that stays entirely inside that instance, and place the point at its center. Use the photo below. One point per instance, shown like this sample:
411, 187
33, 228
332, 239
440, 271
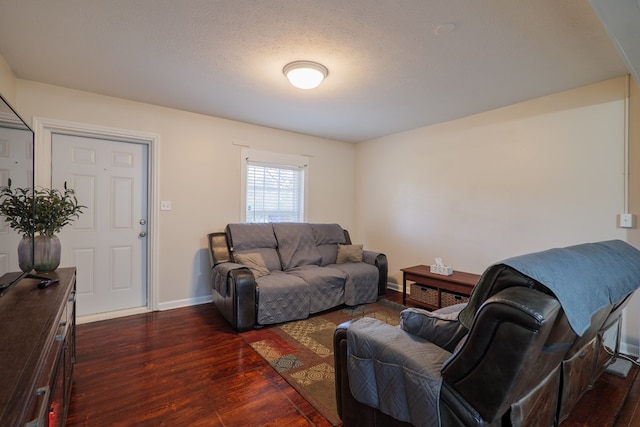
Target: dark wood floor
187, 367
182, 367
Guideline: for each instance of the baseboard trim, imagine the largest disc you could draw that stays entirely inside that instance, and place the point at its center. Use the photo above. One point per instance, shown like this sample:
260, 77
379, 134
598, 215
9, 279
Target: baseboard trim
111, 315
629, 349
169, 305
394, 286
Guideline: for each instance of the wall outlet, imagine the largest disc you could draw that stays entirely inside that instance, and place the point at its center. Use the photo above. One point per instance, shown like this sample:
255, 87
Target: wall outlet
165, 205
626, 220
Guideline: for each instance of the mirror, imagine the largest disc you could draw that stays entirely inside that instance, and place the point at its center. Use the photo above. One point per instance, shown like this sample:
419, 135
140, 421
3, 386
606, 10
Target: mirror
17, 164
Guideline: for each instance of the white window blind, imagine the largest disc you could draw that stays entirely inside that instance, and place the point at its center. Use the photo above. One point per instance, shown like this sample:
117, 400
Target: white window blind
274, 191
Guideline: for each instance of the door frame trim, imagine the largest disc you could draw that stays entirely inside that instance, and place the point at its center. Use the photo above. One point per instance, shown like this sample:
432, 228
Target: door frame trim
45, 127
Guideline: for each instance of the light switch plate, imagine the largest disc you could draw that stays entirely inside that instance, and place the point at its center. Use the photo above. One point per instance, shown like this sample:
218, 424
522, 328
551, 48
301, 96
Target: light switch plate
626, 220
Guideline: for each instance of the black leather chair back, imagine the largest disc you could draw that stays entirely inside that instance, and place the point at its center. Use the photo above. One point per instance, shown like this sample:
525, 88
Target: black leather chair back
218, 248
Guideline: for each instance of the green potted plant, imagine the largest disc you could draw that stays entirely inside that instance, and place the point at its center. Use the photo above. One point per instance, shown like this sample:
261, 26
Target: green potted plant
40, 213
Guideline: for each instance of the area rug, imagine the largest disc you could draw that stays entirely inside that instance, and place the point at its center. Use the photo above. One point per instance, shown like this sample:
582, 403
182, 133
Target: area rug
302, 351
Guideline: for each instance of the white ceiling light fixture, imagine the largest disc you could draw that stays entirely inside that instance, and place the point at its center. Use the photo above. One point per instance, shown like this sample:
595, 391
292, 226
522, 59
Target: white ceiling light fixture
305, 74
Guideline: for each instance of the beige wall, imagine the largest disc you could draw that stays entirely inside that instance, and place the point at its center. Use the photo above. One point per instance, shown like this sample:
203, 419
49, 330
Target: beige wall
528, 177
539, 174
8, 82
631, 325
200, 173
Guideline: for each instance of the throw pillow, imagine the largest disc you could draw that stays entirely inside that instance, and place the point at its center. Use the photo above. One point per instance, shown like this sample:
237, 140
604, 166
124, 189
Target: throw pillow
254, 262
349, 253
439, 327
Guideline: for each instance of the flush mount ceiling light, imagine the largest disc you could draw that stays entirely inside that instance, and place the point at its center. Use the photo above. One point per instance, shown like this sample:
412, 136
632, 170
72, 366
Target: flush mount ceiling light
305, 74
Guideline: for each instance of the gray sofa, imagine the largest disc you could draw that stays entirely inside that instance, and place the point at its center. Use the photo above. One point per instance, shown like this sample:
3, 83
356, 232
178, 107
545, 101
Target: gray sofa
272, 273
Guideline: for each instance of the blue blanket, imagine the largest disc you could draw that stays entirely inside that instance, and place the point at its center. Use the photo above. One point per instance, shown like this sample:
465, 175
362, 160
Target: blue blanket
585, 277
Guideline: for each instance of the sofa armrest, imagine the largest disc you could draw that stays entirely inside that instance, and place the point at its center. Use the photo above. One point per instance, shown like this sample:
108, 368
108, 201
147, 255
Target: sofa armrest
380, 261
234, 293
440, 327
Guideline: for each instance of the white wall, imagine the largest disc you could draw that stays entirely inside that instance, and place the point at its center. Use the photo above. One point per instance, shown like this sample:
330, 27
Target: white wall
200, 173
528, 177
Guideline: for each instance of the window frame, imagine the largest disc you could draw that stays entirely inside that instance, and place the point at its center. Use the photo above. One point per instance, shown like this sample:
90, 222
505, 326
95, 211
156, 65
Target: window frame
268, 158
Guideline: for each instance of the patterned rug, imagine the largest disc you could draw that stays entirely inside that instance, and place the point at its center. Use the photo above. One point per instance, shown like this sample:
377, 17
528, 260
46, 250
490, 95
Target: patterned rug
302, 351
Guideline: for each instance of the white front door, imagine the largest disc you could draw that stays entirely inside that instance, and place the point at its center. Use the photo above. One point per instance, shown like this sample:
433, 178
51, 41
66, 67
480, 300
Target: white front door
108, 243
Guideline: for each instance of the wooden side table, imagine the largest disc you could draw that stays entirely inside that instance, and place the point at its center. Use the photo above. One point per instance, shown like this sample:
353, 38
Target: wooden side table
434, 291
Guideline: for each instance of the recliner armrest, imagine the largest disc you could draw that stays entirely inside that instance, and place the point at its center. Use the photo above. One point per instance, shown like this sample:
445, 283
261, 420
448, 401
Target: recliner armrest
440, 327
340, 364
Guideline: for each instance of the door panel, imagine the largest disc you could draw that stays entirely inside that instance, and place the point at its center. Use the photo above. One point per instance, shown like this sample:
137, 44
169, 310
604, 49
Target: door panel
105, 243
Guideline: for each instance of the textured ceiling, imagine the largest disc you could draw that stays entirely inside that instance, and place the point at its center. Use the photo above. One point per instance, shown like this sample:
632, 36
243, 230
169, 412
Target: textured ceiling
394, 65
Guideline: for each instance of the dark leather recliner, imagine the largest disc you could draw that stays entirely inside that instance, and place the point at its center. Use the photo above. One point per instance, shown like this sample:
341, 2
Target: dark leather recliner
520, 363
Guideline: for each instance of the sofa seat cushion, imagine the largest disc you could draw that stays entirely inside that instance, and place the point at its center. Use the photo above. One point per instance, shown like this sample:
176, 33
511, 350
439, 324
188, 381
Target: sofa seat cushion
326, 286
395, 372
296, 244
357, 287
281, 297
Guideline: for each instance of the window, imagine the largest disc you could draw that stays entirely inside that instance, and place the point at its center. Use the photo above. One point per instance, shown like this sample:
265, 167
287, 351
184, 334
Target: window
273, 186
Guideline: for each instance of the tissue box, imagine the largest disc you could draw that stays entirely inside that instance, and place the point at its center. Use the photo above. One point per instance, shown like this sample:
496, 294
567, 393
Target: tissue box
441, 269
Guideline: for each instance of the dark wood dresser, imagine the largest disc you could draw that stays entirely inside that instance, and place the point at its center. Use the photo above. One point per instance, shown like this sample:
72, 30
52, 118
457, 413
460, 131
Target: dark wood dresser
37, 351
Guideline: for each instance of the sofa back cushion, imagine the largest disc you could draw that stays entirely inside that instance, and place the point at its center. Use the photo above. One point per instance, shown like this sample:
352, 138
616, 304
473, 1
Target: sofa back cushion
255, 238
296, 244
327, 238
